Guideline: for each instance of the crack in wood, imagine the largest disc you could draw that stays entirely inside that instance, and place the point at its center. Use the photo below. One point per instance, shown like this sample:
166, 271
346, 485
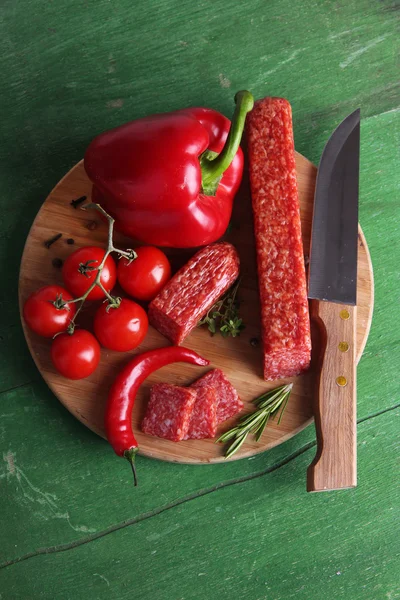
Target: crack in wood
178, 502
158, 511
17, 387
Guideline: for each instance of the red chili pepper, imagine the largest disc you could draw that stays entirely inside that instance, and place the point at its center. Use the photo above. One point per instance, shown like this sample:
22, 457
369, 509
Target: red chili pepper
118, 417
170, 179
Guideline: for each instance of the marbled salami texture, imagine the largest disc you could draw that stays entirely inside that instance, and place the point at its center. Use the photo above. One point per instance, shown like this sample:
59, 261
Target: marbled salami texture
203, 420
228, 401
194, 290
280, 261
168, 412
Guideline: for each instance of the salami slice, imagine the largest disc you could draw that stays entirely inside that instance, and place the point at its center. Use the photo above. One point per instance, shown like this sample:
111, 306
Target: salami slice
194, 290
203, 422
280, 261
169, 411
228, 401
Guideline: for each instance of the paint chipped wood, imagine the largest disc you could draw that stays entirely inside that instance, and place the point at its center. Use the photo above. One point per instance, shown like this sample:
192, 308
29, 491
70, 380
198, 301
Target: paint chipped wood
260, 536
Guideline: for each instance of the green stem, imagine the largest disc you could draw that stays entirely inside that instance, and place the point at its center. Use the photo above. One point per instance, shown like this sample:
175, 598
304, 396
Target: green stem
212, 168
268, 405
110, 298
129, 254
130, 455
82, 299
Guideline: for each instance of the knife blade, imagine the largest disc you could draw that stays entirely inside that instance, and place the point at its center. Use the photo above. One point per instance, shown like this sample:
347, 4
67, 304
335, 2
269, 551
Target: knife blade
332, 290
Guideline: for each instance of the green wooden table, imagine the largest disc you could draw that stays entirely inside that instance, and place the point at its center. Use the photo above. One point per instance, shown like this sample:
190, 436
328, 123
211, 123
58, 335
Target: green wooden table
71, 524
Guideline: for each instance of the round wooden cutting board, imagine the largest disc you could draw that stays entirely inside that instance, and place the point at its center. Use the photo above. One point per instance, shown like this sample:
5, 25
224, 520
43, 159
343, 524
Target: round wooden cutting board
240, 360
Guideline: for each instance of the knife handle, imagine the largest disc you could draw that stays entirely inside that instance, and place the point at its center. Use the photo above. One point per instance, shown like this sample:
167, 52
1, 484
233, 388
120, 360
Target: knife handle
335, 464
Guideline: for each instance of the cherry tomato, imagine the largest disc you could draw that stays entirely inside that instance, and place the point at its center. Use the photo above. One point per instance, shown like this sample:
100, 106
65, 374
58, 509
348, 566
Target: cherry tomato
80, 270
42, 316
122, 328
144, 277
75, 356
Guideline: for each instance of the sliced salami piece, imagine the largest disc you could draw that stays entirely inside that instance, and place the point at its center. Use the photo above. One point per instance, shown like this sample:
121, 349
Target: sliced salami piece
281, 273
194, 290
169, 411
203, 422
228, 401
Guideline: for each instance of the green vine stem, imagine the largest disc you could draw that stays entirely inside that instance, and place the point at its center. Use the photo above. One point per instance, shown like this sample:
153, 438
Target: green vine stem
129, 254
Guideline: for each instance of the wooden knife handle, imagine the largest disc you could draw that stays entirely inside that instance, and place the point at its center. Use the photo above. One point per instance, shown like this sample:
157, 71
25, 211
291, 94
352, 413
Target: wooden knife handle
335, 464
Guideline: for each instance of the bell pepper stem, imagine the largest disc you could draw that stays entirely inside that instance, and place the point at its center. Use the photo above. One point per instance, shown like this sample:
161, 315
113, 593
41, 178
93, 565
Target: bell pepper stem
130, 455
212, 169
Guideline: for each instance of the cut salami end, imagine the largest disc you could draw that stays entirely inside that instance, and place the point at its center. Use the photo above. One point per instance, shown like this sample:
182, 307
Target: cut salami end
194, 290
281, 273
203, 422
280, 365
169, 411
228, 401
165, 324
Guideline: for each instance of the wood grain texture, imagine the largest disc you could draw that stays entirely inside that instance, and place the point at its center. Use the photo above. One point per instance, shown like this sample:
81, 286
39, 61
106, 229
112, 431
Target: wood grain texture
240, 362
71, 70
335, 404
68, 484
231, 542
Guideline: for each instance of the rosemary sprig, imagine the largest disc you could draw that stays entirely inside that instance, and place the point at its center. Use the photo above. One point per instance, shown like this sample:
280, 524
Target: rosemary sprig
223, 316
268, 406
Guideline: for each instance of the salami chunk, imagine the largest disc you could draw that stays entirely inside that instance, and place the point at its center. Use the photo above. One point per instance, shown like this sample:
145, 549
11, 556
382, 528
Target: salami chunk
280, 262
194, 290
228, 401
169, 411
203, 422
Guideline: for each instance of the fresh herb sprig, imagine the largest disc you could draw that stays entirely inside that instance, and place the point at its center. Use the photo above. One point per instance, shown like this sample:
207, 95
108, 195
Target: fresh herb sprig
268, 405
223, 316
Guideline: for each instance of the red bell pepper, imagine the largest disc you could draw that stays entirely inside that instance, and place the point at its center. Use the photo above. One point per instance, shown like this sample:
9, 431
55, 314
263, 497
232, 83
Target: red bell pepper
170, 179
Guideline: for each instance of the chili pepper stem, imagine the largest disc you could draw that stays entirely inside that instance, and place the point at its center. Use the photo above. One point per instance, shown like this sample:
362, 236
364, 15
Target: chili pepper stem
130, 455
213, 168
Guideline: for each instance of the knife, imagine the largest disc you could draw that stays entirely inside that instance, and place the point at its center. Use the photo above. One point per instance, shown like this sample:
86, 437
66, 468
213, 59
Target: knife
332, 289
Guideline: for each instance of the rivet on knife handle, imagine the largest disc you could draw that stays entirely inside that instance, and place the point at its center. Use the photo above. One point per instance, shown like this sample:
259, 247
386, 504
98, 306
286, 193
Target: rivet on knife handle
334, 466
332, 287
